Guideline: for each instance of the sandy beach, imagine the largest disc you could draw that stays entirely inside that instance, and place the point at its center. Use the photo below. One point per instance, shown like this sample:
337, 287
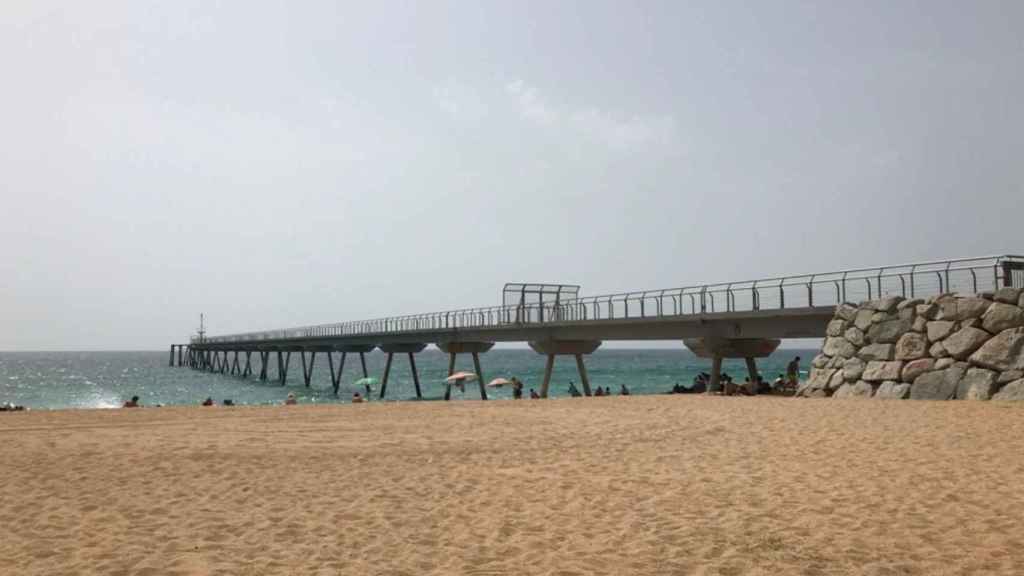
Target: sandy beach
635, 485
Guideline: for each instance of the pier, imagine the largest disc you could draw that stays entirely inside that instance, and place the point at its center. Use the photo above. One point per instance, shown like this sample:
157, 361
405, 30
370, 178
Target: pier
745, 319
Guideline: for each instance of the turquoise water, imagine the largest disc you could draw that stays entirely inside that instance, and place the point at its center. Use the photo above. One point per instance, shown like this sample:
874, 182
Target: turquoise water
42, 380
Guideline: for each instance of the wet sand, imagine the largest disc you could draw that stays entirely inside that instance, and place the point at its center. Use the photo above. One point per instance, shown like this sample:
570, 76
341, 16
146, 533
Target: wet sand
637, 485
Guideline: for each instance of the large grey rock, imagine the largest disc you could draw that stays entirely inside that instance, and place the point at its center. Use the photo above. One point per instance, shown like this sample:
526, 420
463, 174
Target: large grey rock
887, 304
912, 303
939, 329
911, 370
876, 352
863, 318
818, 381
835, 381
836, 328
889, 330
964, 341
859, 390
877, 371
977, 384
943, 363
846, 312
854, 336
911, 346
919, 325
890, 390
938, 351
839, 346
881, 317
1001, 317
1009, 376
1004, 351
836, 362
962, 308
1020, 303
939, 384
927, 311
853, 368
820, 361
1012, 391
1007, 295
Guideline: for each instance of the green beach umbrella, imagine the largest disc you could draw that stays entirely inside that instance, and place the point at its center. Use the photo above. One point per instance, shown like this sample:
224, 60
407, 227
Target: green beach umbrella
367, 382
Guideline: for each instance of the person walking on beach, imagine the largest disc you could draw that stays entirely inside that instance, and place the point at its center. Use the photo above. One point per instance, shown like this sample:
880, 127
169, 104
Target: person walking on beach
793, 372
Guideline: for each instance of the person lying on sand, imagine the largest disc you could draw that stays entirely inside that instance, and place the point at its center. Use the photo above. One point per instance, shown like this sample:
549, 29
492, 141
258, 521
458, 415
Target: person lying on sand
208, 401
534, 395
133, 403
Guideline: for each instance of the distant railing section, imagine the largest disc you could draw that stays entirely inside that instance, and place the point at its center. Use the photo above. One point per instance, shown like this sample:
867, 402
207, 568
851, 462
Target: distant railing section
785, 292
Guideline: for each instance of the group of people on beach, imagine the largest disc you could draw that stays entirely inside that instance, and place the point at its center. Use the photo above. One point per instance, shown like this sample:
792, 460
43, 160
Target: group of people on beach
9, 407
783, 385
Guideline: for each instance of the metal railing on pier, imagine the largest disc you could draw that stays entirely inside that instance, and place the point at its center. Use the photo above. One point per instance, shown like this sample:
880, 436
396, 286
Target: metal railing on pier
785, 292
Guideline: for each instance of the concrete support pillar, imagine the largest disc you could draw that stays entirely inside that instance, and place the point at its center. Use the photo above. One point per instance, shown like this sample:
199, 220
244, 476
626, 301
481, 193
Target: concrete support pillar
336, 379
248, 364
752, 370
451, 370
171, 361
362, 360
307, 372
235, 368
479, 376
282, 366
384, 380
548, 368
583, 374
415, 375
715, 385
264, 361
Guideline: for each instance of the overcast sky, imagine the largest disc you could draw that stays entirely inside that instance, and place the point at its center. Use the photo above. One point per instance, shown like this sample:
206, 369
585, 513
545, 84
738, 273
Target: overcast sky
283, 163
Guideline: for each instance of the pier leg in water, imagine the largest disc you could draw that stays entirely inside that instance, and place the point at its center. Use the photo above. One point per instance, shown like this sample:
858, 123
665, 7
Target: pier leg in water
451, 370
235, 368
180, 353
384, 380
224, 363
547, 376
336, 379
171, 361
415, 375
307, 375
264, 360
583, 374
248, 364
362, 360
479, 376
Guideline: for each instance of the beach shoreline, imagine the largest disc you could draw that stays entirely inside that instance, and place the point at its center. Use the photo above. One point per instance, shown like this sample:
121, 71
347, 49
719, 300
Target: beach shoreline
671, 484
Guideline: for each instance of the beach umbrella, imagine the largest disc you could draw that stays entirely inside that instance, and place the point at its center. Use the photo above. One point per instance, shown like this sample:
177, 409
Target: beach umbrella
460, 378
498, 382
367, 382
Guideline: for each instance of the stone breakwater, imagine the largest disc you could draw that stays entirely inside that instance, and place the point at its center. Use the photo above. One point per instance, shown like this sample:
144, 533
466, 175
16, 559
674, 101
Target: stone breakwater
946, 347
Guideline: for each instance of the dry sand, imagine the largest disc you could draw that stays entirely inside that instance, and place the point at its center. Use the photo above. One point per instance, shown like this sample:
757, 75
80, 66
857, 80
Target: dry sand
639, 485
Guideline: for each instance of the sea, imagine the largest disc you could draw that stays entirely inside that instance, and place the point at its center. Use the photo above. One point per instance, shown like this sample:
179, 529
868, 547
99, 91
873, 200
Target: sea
97, 380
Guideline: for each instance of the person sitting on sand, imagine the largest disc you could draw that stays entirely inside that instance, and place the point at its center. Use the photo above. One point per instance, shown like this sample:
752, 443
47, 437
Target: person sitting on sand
228, 402
290, 400
208, 401
573, 391
779, 384
133, 403
623, 391
356, 398
599, 392
534, 395
607, 391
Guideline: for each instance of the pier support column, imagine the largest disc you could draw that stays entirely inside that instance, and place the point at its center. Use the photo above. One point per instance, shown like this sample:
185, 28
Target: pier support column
546, 383
336, 379
362, 360
715, 385
480, 376
475, 349
552, 348
451, 370
384, 380
224, 363
282, 366
583, 374
415, 375
264, 360
400, 348
307, 374
248, 364
171, 361
235, 368
752, 370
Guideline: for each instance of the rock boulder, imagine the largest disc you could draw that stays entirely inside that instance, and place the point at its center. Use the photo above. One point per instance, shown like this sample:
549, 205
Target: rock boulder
839, 346
1003, 352
836, 327
964, 341
977, 384
876, 352
878, 371
888, 331
1001, 317
1007, 295
1012, 391
914, 369
939, 384
890, 390
911, 346
939, 329
853, 369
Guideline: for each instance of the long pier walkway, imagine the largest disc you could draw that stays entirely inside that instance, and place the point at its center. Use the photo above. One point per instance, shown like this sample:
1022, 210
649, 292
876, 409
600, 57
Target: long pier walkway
735, 319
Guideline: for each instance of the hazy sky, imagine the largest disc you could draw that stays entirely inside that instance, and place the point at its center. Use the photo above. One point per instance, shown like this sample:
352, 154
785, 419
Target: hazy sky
283, 163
